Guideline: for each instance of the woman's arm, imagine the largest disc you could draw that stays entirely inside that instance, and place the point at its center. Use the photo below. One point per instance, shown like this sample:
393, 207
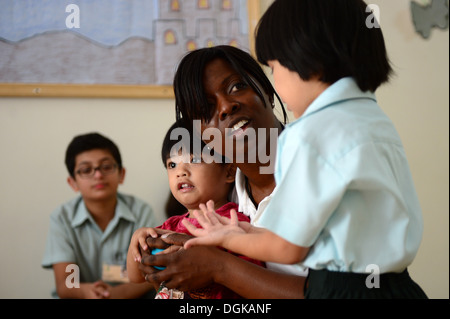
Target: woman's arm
254, 282
200, 266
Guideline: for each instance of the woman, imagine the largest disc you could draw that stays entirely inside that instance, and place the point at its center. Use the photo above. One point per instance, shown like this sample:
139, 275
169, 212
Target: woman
226, 90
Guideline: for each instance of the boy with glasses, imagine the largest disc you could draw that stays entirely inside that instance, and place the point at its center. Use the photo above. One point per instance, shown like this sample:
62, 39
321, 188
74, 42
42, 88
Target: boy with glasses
88, 238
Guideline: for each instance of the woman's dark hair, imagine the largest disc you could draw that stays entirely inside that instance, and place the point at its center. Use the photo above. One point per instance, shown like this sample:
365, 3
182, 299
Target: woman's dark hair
328, 39
88, 142
190, 98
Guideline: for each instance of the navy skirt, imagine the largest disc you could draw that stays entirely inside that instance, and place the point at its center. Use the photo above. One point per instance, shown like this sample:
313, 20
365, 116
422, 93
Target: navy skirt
324, 284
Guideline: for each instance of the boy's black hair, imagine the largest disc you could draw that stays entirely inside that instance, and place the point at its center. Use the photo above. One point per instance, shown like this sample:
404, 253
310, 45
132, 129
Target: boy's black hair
329, 39
190, 98
88, 142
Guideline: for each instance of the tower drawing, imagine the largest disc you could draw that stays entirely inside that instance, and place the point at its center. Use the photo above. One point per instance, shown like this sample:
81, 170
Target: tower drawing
186, 25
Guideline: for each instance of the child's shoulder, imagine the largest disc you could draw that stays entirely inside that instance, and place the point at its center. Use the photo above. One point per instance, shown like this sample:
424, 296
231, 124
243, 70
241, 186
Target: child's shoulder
135, 204
69, 207
66, 213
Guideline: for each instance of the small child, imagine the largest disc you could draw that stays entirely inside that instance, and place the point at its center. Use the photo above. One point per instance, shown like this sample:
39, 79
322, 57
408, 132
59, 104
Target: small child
193, 179
344, 204
92, 231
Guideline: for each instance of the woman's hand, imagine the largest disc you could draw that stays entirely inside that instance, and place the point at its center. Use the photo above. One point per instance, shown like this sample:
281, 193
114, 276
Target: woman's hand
185, 269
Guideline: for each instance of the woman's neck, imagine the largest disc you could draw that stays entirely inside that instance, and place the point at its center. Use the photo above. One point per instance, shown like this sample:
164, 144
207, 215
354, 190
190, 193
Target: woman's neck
260, 179
258, 185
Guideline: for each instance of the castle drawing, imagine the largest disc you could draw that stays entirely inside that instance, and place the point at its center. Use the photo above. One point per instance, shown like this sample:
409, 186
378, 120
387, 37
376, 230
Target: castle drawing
186, 25
136, 42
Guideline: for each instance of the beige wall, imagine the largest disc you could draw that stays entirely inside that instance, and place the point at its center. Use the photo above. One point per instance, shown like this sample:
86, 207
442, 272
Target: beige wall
34, 134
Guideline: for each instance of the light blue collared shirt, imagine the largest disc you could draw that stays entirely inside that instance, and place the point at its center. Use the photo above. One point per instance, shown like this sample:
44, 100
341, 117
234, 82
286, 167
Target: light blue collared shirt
344, 187
75, 237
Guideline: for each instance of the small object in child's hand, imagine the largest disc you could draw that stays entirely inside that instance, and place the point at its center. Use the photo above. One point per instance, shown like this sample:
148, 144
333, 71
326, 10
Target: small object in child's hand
154, 252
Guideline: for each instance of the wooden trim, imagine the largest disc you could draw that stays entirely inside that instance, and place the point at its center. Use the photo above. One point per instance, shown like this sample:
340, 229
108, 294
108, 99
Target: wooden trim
86, 90
254, 12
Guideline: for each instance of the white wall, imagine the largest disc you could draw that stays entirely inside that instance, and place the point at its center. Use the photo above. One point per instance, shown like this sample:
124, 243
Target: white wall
34, 133
417, 100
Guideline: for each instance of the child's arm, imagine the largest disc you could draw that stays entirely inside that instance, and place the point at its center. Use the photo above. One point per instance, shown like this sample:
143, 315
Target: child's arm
85, 290
242, 238
138, 240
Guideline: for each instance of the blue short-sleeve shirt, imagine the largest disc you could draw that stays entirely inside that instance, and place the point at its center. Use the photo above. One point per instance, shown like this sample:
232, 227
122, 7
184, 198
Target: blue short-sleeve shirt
74, 236
344, 187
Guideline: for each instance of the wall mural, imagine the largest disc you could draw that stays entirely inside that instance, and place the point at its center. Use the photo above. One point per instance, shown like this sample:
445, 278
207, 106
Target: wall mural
135, 42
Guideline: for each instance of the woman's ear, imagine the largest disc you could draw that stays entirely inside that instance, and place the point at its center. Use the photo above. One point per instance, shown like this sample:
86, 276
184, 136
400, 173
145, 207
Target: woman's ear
231, 173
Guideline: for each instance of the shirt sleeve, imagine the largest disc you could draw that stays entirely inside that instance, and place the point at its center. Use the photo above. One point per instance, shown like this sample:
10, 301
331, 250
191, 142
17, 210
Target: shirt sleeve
308, 191
145, 216
59, 247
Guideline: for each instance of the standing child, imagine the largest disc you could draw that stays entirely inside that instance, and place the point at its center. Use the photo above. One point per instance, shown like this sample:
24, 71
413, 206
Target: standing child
344, 205
193, 179
88, 238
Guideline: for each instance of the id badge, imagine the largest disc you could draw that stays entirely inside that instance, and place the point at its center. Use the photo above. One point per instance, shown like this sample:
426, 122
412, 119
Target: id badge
114, 273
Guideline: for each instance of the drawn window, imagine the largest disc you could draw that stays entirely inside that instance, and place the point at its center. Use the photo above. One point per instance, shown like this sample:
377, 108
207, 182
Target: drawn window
226, 5
203, 4
234, 43
191, 45
169, 37
175, 5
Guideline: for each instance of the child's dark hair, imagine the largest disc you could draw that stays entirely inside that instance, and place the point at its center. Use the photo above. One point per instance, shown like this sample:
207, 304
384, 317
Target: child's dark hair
190, 99
186, 138
88, 142
328, 39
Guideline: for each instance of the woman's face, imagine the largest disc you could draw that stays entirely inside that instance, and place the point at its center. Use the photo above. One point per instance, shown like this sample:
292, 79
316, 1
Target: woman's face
239, 115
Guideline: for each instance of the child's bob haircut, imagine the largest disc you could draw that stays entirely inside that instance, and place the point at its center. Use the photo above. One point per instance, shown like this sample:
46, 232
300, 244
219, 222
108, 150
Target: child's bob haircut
325, 39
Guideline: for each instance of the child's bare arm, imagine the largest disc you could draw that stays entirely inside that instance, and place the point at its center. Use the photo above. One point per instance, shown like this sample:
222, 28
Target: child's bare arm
138, 241
242, 238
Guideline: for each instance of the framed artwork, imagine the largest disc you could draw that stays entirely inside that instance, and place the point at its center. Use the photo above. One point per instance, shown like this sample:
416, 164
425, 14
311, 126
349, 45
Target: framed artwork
111, 48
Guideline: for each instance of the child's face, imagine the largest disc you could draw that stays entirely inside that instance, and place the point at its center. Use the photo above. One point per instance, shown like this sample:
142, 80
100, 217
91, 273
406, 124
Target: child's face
99, 185
297, 93
193, 181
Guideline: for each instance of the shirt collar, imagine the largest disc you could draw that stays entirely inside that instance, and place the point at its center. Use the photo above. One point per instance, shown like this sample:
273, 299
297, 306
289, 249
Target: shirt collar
82, 214
246, 205
342, 90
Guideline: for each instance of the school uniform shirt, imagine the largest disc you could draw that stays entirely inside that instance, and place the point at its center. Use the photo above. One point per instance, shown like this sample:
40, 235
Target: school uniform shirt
247, 207
344, 187
75, 237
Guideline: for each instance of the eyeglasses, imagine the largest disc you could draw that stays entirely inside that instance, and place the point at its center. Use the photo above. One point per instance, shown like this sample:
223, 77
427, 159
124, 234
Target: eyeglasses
89, 171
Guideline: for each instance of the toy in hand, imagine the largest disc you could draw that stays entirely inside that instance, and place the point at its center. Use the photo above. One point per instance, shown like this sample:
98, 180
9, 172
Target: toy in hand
154, 252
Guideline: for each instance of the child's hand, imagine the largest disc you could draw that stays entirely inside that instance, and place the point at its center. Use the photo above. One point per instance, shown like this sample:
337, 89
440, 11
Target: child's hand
139, 240
216, 228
